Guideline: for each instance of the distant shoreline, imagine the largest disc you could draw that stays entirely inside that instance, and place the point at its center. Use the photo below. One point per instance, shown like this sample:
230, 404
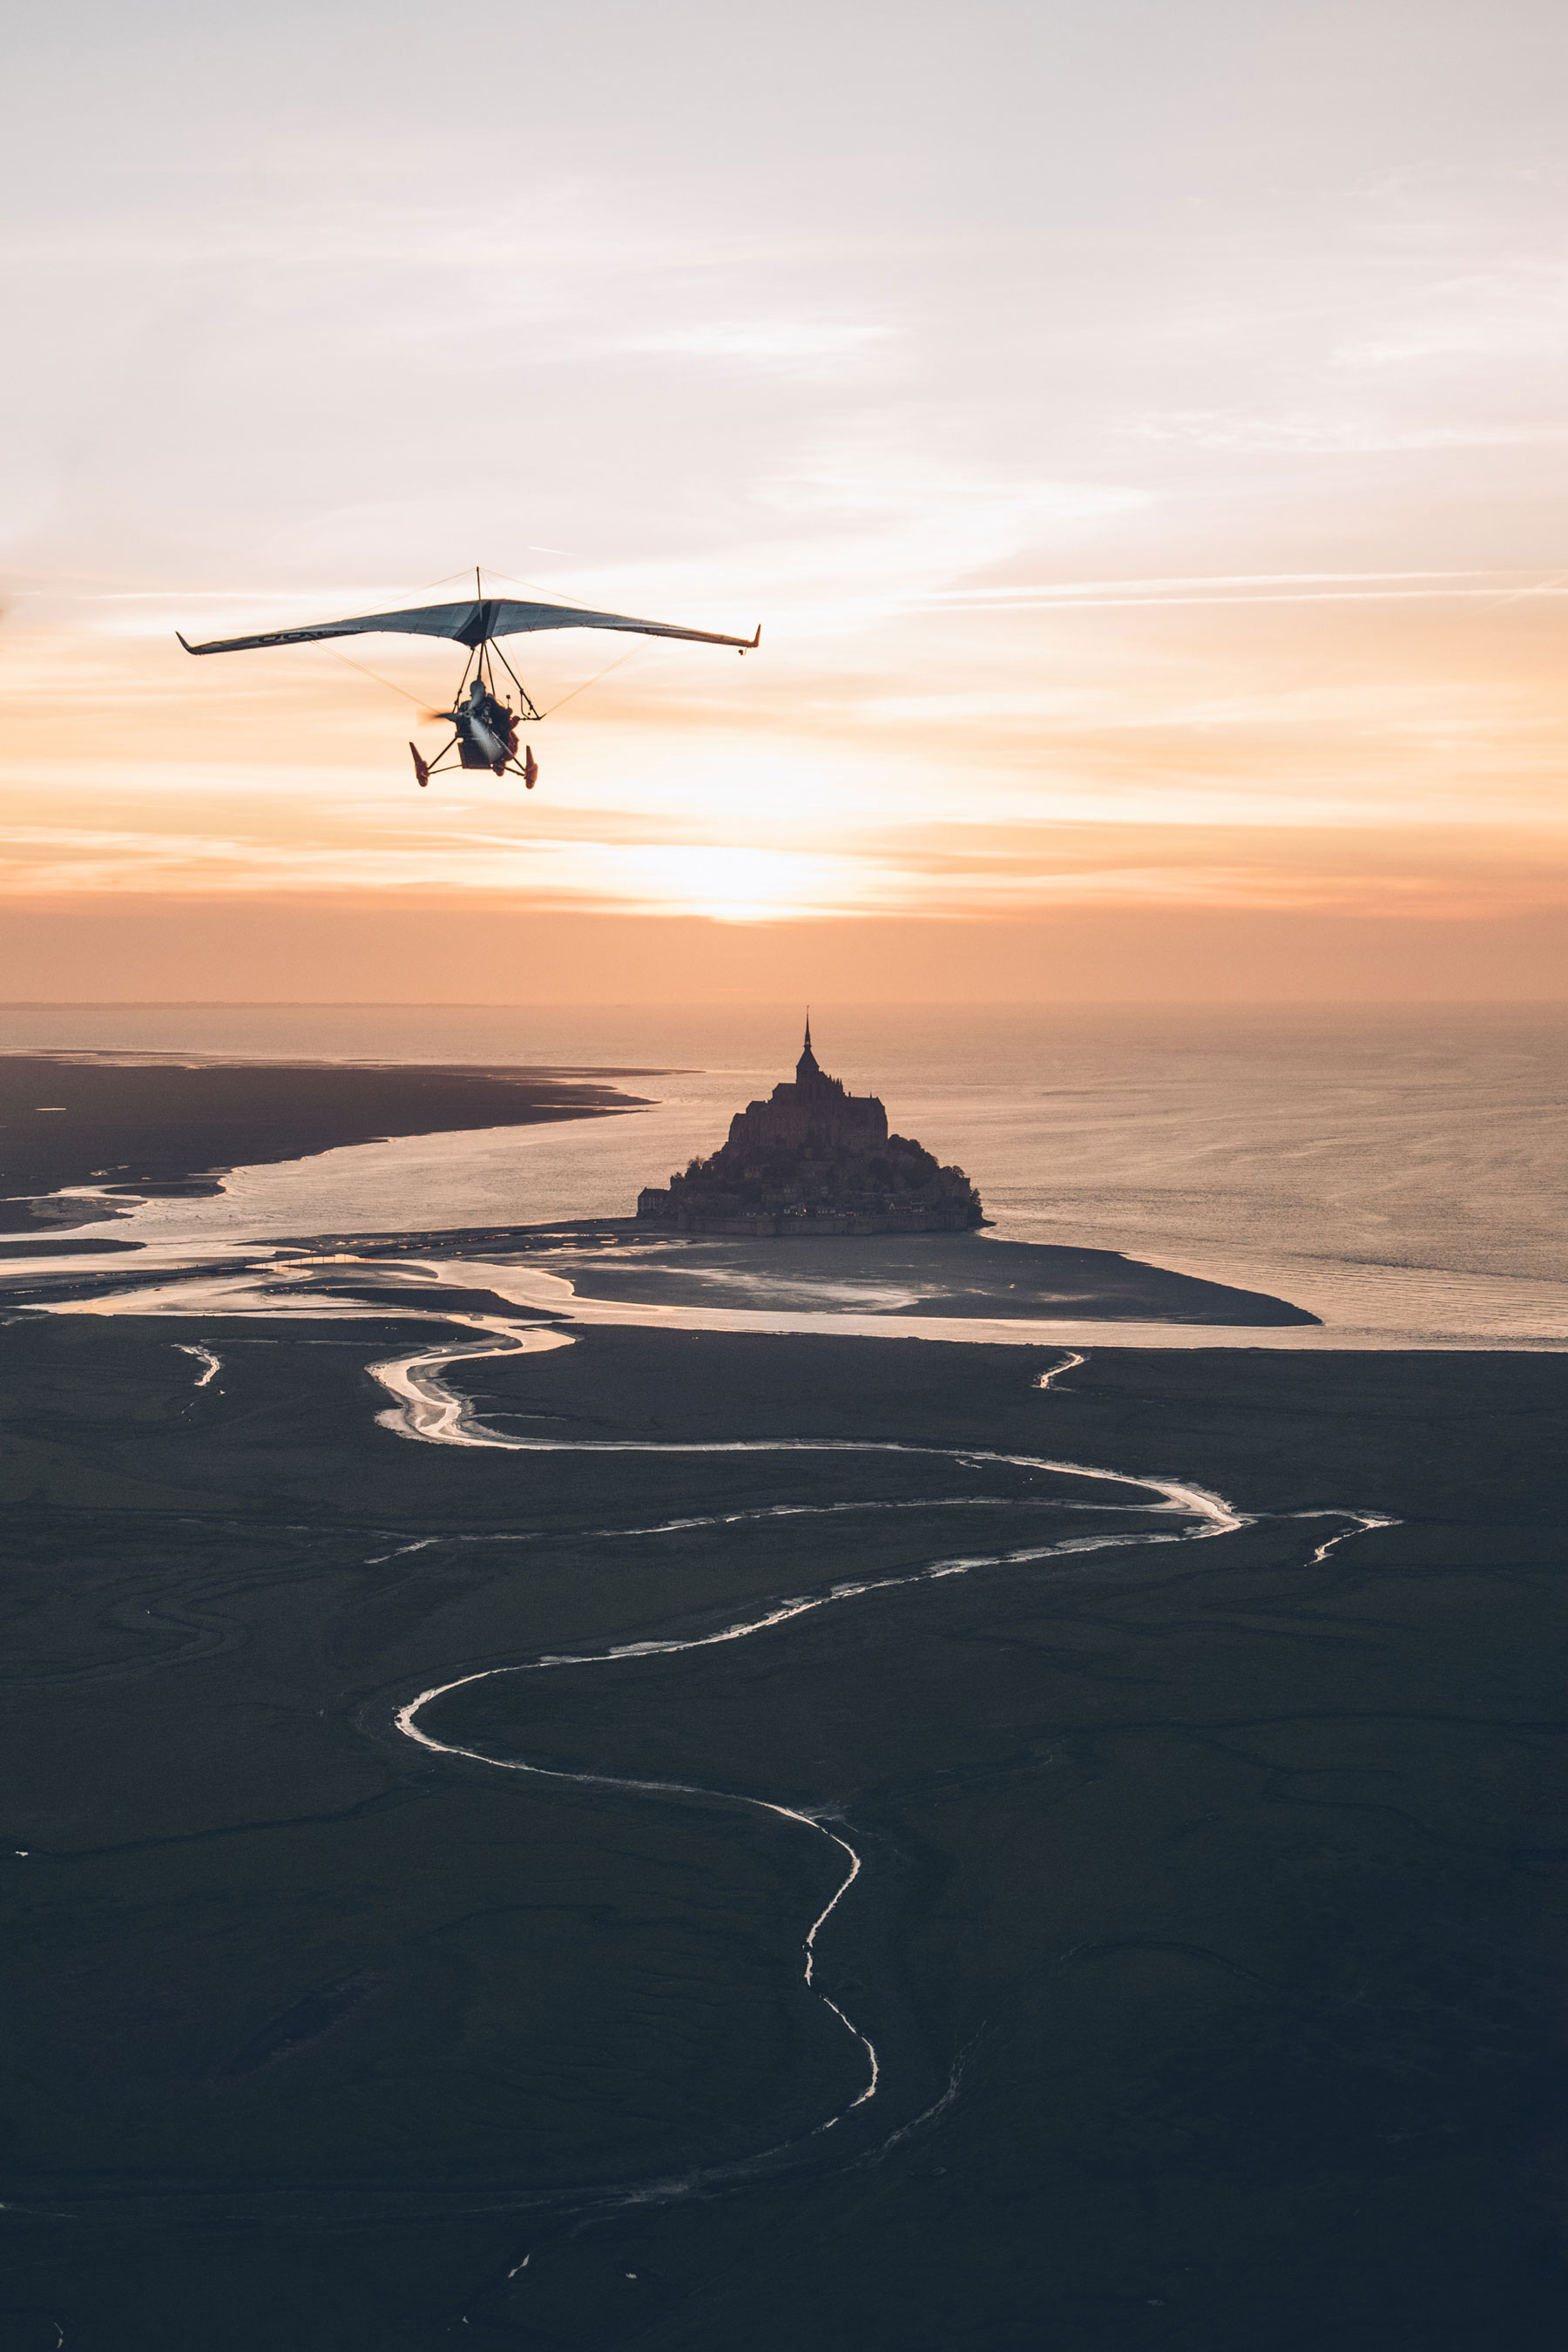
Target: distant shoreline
143, 1127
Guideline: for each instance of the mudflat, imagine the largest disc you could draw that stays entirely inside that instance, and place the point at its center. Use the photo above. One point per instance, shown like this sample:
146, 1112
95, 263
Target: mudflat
1211, 1925
143, 1127
970, 1275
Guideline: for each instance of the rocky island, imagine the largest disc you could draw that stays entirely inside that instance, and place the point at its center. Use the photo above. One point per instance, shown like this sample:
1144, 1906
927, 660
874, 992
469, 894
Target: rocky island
812, 1160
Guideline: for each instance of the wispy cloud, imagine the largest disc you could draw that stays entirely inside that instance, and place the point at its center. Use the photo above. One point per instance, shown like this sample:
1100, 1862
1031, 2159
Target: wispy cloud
1327, 433
1257, 588
762, 341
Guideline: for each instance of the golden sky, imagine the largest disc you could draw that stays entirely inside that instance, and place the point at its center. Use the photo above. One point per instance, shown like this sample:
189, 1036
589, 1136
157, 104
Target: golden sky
1140, 431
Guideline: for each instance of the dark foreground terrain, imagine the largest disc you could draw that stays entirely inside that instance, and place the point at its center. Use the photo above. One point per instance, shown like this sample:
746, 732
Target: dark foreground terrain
139, 1127
1232, 1884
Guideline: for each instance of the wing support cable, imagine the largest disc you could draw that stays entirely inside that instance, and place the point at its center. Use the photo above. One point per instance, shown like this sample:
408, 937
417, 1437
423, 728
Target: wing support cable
587, 682
528, 710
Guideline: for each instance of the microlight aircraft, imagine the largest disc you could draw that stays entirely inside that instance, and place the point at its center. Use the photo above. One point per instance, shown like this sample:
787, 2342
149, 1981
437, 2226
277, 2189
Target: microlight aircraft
484, 724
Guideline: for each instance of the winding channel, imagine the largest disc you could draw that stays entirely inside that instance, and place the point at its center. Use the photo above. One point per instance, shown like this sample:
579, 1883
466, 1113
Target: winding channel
426, 1410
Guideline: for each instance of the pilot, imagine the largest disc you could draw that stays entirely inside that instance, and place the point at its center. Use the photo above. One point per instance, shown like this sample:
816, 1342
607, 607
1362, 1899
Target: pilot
484, 705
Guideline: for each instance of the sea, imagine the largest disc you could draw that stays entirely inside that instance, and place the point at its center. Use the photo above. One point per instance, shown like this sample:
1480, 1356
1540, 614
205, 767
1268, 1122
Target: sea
1401, 1173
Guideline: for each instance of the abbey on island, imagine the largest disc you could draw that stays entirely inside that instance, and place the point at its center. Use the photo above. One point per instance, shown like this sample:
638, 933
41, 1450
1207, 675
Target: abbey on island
814, 1159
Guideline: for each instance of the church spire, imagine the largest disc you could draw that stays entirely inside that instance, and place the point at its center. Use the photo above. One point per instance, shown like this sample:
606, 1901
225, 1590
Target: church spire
808, 1028
807, 1066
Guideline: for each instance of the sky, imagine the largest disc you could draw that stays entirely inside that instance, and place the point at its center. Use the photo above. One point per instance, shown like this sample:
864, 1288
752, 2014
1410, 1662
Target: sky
1140, 431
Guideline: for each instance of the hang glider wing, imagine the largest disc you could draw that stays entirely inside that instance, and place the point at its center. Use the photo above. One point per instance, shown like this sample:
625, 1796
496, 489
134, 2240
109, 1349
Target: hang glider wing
469, 624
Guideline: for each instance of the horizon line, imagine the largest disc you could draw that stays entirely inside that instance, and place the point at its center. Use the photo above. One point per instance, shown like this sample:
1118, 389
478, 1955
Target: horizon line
742, 1004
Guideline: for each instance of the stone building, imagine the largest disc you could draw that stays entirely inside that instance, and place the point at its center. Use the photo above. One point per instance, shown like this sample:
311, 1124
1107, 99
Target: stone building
811, 1111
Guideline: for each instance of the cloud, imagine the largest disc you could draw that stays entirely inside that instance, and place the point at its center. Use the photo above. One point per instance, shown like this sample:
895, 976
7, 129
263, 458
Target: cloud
1331, 434
1499, 587
761, 342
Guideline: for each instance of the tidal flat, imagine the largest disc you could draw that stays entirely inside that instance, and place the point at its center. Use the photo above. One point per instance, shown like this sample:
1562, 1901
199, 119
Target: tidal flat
1210, 1932
114, 1127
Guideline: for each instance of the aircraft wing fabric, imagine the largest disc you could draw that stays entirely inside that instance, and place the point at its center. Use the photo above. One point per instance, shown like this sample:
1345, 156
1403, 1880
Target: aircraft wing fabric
468, 624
